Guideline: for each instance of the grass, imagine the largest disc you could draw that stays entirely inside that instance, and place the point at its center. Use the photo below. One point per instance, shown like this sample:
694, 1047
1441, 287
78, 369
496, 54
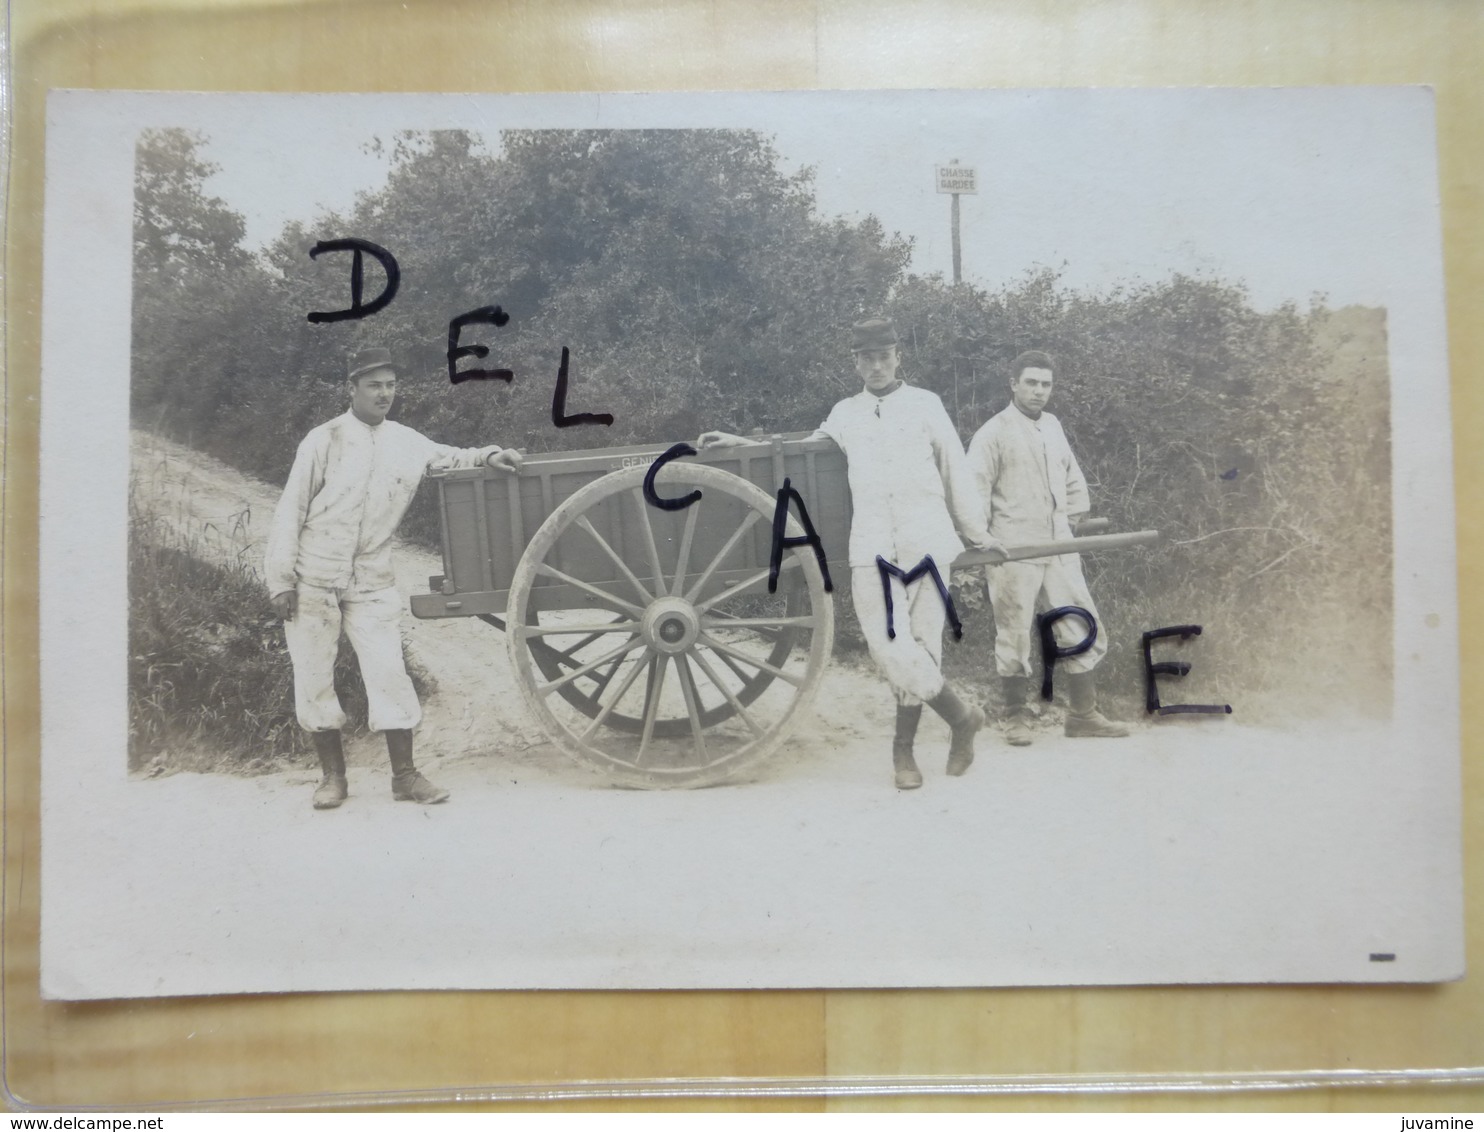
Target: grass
210, 682
1310, 640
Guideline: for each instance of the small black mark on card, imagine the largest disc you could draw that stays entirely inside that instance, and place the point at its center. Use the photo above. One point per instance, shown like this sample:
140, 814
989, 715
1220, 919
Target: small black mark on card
494, 316
1383, 957
562, 419
889, 570
358, 309
674, 452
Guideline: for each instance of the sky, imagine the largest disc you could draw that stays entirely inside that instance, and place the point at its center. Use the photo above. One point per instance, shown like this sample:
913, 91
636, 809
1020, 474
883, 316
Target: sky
1292, 193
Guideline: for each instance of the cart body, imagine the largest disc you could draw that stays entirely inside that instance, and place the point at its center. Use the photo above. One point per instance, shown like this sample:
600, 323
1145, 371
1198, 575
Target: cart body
651, 643
488, 517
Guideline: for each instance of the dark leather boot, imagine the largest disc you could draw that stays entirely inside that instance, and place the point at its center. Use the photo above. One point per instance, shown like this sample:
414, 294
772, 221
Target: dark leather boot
407, 784
1084, 721
1015, 690
908, 776
332, 789
965, 722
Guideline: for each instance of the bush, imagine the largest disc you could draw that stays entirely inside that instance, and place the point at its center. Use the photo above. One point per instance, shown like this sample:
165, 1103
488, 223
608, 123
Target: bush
210, 682
1257, 443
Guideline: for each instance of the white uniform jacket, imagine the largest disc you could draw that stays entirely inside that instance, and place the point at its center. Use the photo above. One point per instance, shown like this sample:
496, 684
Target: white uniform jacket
1029, 479
909, 482
349, 488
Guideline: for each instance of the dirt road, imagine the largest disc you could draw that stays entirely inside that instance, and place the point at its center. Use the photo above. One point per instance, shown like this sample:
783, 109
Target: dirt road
1195, 850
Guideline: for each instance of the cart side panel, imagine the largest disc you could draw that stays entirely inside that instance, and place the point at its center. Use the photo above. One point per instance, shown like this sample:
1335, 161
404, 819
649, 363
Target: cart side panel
758, 467
819, 478
816, 470
625, 523
577, 553
490, 517
464, 534
510, 516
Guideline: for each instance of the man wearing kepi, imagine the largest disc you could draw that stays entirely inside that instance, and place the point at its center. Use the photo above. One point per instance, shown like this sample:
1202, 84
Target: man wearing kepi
910, 488
329, 568
1035, 492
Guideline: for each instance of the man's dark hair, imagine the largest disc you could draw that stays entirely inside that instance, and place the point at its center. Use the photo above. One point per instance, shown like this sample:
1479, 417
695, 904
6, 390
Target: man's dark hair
1031, 359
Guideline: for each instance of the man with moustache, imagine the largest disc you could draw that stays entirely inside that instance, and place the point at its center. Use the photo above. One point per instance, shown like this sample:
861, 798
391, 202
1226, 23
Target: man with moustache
328, 567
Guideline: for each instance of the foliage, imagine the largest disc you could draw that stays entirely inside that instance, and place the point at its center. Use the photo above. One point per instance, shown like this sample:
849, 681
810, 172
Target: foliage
180, 233
1256, 443
698, 286
190, 277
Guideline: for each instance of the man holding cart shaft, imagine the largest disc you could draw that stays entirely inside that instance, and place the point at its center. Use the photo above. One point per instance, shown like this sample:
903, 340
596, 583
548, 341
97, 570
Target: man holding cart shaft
1035, 492
329, 567
910, 487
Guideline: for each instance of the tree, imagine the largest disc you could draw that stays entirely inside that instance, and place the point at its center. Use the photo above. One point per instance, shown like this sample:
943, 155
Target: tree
191, 276
690, 278
180, 233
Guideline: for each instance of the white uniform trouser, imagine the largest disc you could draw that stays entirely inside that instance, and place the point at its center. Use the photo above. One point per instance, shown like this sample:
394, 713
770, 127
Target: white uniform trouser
371, 620
912, 662
1020, 590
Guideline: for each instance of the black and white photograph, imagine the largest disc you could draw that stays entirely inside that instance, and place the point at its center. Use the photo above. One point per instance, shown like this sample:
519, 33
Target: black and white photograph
828, 539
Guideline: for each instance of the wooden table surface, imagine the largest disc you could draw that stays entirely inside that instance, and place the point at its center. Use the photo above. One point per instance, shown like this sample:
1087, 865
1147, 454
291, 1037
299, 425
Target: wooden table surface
126, 1054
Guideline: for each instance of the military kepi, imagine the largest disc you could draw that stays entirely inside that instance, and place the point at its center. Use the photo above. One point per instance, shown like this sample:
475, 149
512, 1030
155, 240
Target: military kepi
873, 334
364, 361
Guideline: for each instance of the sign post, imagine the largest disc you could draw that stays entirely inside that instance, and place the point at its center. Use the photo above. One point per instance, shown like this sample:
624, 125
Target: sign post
955, 179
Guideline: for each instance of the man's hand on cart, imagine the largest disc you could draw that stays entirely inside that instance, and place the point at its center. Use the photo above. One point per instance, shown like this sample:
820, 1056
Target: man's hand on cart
285, 604
718, 439
504, 459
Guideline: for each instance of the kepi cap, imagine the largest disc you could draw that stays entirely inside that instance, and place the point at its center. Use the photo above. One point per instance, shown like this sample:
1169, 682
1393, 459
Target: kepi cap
364, 361
873, 334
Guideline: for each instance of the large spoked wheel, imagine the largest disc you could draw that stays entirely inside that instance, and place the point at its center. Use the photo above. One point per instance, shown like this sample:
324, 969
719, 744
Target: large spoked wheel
646, 641
585, 693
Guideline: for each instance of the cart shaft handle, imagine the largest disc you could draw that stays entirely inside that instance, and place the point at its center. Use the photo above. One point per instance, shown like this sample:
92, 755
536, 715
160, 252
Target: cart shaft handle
1061, 546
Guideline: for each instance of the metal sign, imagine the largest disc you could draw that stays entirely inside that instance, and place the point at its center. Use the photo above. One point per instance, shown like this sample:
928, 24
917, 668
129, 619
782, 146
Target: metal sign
957, 179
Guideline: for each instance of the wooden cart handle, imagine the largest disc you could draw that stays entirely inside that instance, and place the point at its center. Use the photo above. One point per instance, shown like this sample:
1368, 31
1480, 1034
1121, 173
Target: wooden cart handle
1061, 546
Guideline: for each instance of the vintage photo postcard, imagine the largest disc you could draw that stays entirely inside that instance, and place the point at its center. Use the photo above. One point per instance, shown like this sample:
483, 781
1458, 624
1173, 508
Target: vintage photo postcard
883, 539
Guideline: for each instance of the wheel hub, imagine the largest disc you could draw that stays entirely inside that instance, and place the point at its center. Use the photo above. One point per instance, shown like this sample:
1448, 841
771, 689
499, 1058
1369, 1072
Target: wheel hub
671, 625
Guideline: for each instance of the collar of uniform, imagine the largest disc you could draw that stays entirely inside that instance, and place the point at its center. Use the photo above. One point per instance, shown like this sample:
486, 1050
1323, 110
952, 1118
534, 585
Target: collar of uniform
876, 398
355, 420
